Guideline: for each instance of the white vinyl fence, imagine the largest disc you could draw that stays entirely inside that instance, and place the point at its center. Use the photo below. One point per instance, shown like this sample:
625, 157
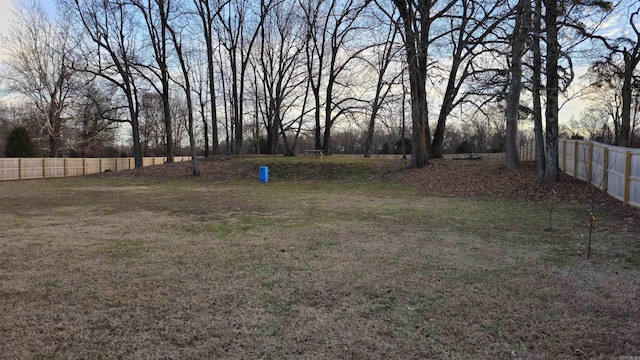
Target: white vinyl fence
613, 169
40, 168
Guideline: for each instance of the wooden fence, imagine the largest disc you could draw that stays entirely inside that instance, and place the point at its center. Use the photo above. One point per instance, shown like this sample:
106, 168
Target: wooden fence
40, 168
614, 169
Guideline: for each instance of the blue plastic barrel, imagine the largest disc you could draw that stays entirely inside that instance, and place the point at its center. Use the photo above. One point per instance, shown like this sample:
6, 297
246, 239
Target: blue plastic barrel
263, 174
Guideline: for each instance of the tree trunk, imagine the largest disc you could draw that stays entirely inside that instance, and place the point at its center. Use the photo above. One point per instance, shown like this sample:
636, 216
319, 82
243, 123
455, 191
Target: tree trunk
625, 127
552, 169
212, 95
537, 102
419, 114
520, 33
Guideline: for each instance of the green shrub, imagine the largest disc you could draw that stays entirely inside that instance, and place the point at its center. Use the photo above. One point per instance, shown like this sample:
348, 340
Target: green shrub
19, 143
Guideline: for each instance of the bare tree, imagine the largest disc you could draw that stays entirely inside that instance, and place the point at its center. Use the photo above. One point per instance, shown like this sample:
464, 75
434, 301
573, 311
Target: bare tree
383, 57
110, 53
470, 33
417, 19
518, 42
178, 43
332, 47
239, 28
552, 166
536, 86
155, 14
628, 50
280, 71
152, 139
208, 11
89, 123
39, 67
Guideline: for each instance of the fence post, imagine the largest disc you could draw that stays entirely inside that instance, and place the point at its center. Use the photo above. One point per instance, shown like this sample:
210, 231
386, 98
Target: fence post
65, 167
84, 166
44, 168
627, 175
100, 166
605, 169
20, 169
532, 151
564, 155
590, 162
116, 165
575, 159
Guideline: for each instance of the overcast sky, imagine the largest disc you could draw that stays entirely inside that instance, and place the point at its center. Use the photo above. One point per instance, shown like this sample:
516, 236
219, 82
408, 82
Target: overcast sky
572, 108
5, 14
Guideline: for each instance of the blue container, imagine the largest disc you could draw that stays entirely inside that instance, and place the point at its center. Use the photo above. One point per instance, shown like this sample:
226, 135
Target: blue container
263, 174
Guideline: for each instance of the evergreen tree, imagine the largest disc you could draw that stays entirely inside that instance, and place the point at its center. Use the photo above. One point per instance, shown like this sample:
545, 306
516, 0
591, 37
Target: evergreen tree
19, 143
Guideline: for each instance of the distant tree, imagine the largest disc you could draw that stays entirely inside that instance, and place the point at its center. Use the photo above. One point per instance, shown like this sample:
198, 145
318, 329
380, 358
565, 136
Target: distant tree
239, 24
385, 55
38, 66
333, 45
417, 19
89, 125
207, 11
465, 147
155, 15
178, 42
624, 54
280, 71
19, 144
110, 53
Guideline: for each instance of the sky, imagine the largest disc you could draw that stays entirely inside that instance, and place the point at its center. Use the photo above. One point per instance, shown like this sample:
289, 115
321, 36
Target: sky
5, 14
572, 108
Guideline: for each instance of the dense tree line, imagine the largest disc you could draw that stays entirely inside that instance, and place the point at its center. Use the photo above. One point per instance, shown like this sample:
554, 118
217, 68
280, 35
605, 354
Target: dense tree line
240, 76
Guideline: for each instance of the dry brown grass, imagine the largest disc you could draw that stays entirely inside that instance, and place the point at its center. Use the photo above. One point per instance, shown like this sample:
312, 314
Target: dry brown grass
141, 267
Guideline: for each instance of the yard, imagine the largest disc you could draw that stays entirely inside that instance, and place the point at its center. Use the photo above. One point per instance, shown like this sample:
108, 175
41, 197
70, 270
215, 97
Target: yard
332, 259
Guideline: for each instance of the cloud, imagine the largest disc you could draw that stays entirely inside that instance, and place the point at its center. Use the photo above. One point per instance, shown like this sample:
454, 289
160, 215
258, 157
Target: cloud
5, 14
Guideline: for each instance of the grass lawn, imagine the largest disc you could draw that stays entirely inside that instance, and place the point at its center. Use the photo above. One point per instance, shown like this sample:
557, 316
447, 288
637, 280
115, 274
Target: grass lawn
194, 268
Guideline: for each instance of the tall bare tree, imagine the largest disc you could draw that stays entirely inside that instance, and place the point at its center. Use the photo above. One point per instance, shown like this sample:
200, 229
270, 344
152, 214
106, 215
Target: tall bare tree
155, 15
177, 37
208, 11
384, 55
417, 19
332, 47
39, 67
627, 49
239, 23
552, 166
536, 88
111, 52
472, 24
280, 70
518, 41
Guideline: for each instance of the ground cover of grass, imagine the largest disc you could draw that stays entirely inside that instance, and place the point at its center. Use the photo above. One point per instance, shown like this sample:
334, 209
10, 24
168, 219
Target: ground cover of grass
307, 266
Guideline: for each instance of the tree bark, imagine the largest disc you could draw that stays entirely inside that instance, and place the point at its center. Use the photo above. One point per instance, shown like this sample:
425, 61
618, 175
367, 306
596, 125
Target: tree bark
537, 102
552, 169
519, 39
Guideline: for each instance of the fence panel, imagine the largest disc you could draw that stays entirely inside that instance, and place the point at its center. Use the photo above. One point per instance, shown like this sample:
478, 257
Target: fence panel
614, 169
569, 158
634, 180
615, 186
32, 169
38, 168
